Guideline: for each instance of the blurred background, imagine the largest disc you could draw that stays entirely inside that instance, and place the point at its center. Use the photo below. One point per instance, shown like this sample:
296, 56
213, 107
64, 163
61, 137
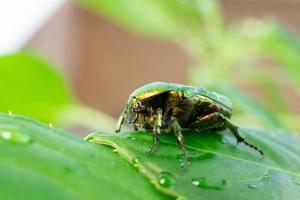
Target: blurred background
73, 63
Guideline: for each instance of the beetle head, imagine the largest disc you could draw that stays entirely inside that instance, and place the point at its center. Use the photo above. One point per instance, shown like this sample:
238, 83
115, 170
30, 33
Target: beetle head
134, 107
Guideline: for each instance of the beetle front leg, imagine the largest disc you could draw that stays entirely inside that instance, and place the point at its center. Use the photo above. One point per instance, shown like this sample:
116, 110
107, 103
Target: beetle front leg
218, 121
156, 131
177, 131
121, 119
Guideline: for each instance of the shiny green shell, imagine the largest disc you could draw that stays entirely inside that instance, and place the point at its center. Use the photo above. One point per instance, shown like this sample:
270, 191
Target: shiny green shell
156, 88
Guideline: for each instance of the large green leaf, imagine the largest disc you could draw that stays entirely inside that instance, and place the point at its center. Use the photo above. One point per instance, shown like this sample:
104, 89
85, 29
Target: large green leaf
32, 87
217, 169
40, 162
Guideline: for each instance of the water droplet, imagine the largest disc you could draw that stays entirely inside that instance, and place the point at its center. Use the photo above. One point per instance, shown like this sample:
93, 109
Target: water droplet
131, 137
135, 162
195, 182
202, 156
50, 125
223, 141
296, 180
203, 183
252, 186
266, 176
165, 179
10, 113
115, 150
14, 136
5, 135
179, 157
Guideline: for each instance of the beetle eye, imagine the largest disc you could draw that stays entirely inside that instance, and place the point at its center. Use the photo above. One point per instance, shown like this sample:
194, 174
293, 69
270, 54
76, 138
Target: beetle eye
135, 106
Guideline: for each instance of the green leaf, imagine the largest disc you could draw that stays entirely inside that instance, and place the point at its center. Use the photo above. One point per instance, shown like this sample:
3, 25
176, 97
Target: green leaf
163, 18
276, 42
32, 87
40, 162
218, 168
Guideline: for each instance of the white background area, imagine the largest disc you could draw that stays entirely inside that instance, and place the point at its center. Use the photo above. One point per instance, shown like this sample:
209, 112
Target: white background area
20, 19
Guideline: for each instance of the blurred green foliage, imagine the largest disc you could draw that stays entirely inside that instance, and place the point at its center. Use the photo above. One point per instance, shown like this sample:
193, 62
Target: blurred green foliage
31, 86
253, 53
231, 58
160, 18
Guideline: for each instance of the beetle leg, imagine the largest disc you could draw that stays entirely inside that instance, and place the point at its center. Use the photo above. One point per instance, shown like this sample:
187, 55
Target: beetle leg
235, 131
121, 119
156, 131
218, 121
177, 131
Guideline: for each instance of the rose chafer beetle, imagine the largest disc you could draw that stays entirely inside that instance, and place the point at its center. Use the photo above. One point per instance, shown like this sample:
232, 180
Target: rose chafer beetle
173, 107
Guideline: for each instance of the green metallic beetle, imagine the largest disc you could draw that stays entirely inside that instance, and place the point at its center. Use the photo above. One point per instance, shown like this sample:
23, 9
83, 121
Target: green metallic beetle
173, 107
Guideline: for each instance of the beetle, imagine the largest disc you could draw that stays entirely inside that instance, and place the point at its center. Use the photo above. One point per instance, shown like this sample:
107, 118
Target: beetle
161, 106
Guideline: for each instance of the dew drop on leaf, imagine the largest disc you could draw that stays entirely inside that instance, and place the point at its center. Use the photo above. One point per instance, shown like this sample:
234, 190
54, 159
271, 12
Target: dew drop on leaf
131, 137
266, 176
179, 157
50, 125
203, 183
202, 156
252, 186
10, 113
223, 141
165, 179
115, 150
195, 182
296, 180
14, 136
135, 161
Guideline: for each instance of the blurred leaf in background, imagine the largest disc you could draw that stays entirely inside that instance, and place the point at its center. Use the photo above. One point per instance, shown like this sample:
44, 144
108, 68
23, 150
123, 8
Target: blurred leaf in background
254, 55
31, 86
273, 40
158, 18
242, 54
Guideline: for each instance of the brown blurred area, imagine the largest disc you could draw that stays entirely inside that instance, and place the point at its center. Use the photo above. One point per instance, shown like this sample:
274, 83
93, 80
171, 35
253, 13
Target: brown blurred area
105, 62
